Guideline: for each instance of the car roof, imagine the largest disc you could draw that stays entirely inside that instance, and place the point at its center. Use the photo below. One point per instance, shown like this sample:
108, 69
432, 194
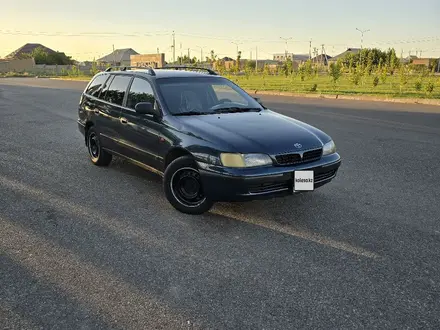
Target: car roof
166, 73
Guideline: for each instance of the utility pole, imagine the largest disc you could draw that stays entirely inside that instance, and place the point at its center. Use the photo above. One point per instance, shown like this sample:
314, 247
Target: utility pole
189, 57
237, 43
256, 59
174, 47
201, 53
114, 58
286, 40
362, 42
325, 55
310, 48
322, 54
158, 50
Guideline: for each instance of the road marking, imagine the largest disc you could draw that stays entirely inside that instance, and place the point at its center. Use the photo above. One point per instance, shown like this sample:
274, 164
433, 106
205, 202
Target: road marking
290, 230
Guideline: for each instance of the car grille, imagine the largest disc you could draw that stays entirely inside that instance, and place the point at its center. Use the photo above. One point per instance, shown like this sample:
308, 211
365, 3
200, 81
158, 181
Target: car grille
323, 176
295, 158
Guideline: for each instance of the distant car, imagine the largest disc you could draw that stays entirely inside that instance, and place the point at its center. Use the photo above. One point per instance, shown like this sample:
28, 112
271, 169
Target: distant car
208, 139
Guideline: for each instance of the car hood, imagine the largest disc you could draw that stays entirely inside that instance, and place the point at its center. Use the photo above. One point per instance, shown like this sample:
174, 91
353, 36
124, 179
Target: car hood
259, 132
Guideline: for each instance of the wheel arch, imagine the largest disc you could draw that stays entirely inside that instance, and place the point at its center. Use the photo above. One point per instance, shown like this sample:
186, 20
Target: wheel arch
175, 153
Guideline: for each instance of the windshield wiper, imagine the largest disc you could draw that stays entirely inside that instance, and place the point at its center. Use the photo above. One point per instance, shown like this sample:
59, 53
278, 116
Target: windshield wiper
235, 109
191, 113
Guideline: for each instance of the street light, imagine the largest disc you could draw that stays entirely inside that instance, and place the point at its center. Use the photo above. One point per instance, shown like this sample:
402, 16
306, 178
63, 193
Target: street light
237, 43
286, 40
362, 41
201, 52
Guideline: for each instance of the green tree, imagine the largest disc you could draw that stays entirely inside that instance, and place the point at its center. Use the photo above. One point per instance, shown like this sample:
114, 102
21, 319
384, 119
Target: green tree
94, 69
308, 68
335, 71
418, 85
383, 74
220, 67
237, 62
393, 61
403, 76
39, 55
287, 67
375, 81
249, 68
266, 70
430, 87
355, 76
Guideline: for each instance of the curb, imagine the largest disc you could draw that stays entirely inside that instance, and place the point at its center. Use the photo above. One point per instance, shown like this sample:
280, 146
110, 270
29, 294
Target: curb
81, 80
435, 102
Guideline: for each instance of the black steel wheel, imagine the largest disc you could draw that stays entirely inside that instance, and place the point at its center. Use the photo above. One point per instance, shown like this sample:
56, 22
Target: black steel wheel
98, 156
183, 187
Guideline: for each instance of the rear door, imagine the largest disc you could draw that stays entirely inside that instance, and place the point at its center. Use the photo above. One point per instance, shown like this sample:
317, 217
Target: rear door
142, 133
110, 108
88, 106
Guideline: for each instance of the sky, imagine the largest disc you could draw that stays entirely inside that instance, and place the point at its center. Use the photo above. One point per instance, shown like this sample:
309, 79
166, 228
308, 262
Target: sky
87, 29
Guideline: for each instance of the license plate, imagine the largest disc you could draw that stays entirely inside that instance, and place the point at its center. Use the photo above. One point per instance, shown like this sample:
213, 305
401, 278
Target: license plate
303, 181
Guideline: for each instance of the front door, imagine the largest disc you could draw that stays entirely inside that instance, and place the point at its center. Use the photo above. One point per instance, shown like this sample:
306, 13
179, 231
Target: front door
141, 134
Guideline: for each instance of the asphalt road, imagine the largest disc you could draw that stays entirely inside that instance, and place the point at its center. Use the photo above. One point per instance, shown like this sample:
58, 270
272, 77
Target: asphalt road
83, 247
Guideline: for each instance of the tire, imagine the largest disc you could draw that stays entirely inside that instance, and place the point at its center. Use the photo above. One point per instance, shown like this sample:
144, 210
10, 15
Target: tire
183, 188
98, 156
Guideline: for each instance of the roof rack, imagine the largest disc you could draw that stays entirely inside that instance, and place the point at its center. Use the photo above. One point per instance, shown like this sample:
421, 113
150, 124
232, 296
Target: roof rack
124, 68
211, 72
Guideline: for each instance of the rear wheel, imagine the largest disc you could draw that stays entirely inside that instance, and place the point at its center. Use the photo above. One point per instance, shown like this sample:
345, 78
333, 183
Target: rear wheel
183, 187
98, 156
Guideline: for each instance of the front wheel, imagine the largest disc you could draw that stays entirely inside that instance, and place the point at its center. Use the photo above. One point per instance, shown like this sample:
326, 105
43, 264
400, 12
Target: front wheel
183, 187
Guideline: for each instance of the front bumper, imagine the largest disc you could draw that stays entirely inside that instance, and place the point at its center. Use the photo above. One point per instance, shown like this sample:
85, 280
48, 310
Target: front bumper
232, 184
81, 127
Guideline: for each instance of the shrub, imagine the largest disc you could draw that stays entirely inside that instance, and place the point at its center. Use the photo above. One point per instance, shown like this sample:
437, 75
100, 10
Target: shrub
375, 81
418, 85
430, 87
335, 71
355, 77
314, 88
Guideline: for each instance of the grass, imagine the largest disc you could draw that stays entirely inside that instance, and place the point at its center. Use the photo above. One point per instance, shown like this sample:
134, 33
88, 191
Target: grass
321, 84
324, 85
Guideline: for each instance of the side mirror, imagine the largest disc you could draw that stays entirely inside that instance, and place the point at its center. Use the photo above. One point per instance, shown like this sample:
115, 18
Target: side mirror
144, 108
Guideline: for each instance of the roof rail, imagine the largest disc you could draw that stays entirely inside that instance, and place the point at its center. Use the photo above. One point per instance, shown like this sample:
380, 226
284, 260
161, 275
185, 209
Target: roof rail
211, 72
124, 68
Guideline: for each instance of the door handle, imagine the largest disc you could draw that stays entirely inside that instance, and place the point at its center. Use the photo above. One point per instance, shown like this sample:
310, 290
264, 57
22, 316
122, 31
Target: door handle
123, 120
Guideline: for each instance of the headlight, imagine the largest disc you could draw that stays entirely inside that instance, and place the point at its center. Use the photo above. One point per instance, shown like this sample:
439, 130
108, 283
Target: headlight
329, 148
245, 160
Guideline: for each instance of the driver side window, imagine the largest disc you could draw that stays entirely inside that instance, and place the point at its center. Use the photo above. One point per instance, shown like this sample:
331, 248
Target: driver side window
225, 92
140, 91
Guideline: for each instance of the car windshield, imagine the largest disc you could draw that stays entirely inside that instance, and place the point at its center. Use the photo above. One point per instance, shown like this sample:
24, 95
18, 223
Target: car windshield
204, 96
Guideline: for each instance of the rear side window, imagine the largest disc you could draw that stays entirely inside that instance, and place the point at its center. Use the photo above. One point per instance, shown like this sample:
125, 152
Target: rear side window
96, 85
140, 91
118, 87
